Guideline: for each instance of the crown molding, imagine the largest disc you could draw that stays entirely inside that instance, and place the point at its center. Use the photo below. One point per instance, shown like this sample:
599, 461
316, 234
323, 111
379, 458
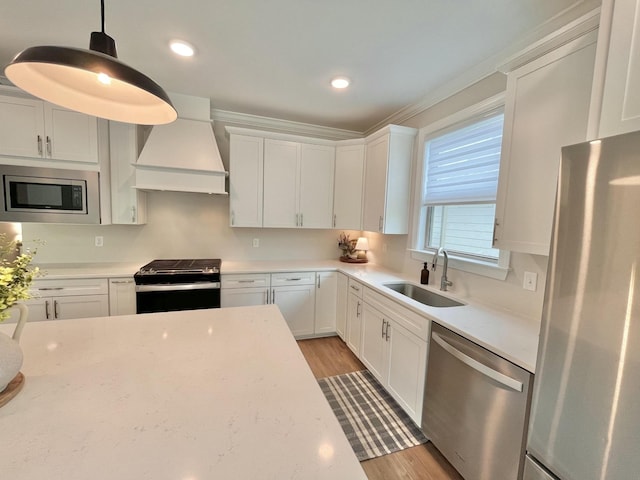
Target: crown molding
282, 126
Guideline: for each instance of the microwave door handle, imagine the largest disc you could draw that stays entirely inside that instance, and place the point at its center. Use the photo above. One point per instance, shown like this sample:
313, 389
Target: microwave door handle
479, 367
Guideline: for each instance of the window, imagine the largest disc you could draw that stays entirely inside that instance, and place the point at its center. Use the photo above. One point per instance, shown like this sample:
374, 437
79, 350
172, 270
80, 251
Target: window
457, 195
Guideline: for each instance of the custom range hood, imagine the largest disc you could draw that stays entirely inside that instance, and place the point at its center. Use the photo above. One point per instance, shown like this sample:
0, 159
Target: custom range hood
182, 156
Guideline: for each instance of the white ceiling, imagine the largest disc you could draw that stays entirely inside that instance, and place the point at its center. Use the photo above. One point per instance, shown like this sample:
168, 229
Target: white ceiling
276, 57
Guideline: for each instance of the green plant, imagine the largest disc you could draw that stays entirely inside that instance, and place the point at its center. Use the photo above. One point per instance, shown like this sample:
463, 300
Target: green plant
15, 275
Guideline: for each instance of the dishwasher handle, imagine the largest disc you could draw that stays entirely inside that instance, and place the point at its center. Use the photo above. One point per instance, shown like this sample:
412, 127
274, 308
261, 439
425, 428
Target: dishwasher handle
480, 367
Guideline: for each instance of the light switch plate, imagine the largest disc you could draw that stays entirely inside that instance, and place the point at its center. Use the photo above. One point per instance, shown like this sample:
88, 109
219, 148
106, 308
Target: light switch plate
99, 241
256, 242
530, 281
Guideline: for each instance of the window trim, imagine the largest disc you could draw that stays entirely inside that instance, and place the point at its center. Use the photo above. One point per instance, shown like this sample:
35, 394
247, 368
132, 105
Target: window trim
497, 270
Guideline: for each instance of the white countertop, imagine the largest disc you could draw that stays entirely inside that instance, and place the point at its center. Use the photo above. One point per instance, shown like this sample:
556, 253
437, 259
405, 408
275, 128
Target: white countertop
195, 395
510, 336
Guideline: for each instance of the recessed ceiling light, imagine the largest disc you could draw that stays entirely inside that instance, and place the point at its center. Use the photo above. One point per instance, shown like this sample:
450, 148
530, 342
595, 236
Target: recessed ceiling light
340, 82
182, 48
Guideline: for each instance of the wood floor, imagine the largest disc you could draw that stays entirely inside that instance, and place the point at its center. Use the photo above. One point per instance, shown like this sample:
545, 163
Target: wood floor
330, 356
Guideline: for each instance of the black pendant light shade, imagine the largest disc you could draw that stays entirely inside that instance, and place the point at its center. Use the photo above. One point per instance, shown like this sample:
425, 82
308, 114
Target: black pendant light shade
91, 81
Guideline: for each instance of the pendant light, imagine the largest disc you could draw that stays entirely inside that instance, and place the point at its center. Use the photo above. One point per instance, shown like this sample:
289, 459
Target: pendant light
91, 81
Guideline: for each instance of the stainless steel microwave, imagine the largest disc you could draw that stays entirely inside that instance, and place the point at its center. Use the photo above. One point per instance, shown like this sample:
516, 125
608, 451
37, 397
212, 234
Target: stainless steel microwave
49, 195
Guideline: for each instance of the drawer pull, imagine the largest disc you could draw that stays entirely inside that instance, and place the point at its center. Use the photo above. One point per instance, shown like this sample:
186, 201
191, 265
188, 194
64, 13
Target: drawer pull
50, 288
246, 281
297, 279
357, 289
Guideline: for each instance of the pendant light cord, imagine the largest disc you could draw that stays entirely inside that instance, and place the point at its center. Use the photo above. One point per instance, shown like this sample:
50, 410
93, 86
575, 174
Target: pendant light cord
102, 13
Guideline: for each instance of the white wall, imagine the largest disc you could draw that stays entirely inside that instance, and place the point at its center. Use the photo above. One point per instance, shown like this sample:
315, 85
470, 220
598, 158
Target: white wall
180, 225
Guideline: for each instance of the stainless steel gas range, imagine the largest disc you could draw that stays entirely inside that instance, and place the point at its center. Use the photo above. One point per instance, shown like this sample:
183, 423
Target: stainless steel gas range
169, 285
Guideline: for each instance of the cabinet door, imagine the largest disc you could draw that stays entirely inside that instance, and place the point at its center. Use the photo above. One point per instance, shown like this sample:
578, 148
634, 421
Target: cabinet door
348, 187
281, 178
326, 302
342, 305
407, 360
374, 345
243, 297
81, 306
70, 135
246, 170
316, 186
39, 309
21, 127
128, 205
122, 296
620, 112
297, 304
354, 323
547, 107
375, 184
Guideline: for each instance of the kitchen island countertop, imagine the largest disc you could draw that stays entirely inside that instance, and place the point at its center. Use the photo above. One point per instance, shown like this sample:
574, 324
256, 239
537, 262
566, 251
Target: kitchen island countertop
192, 395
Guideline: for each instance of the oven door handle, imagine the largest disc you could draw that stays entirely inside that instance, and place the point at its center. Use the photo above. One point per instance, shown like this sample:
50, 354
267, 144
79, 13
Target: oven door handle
178, 286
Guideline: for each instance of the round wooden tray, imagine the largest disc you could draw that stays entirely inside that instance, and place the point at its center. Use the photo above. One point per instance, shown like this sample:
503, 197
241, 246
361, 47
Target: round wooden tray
353, 260
12, 389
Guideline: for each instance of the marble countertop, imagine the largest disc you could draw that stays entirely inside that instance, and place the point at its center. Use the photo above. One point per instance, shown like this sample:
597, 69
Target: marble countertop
504, 333
189, 395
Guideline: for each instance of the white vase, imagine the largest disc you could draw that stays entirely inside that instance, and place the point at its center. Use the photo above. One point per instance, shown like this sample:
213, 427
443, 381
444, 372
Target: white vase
10, 351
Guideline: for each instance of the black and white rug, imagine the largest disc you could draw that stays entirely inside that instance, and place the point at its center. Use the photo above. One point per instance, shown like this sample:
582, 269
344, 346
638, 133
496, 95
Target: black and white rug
373, 422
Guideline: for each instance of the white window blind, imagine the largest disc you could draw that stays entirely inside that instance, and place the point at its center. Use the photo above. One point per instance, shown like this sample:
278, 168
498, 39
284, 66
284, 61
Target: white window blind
462, 166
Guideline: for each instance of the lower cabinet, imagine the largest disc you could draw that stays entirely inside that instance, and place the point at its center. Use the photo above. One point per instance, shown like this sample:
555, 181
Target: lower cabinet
326, 303
245, 290
67, 299
354, 316
122, 296
394, 349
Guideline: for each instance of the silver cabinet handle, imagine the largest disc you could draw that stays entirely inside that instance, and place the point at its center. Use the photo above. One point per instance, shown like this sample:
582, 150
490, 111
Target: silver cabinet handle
55, 309
39, 139
296, 279
302, 220
233, 218
382, 328
318, 280
386, 332
50, 288
358, 309
476, 365
133, 214
380, 224
120, 282
46, 309
355, 288
334, 220
273, 296
266, 296
246, 281
297, 220
49, 146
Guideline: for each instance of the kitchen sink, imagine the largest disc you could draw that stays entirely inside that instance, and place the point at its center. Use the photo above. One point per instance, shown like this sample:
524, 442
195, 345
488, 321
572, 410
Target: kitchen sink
426, 297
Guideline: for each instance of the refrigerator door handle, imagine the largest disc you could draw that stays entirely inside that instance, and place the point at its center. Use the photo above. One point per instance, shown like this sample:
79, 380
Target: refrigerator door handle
480, 367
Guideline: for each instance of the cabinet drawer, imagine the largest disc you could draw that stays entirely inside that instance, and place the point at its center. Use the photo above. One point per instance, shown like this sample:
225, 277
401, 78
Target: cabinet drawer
61, 288
356, 288
245, 280
293, 278
413, 322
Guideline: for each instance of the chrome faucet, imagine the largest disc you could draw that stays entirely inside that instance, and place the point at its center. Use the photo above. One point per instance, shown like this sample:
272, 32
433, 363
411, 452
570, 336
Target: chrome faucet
444, 282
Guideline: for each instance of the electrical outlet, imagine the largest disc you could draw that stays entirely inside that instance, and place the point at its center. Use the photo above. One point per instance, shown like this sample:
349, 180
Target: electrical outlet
99, 241
530, 281
256, 242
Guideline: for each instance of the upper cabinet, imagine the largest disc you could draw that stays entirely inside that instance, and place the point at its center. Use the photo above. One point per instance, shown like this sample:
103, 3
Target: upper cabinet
348, 186
36, 129
280, 181
616, 95
547, 107
386, 184
128, 204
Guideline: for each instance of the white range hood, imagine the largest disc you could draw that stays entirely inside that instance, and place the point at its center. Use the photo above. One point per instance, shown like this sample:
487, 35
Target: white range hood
183, 156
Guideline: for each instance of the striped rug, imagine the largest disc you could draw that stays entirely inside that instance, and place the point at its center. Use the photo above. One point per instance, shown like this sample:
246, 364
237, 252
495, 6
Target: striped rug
373, 422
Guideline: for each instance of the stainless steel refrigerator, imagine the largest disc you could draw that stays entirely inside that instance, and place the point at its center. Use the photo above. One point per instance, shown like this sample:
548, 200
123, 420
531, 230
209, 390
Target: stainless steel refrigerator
585, 421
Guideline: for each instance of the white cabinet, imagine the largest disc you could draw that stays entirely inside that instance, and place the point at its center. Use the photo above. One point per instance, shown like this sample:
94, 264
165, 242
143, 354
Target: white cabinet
66, 299
294, 293
122, 296
348, 187
246, 171
354, 316
298, 184
342, 300
242, 290
326, 303
619, 47
36, 129
128, 204
394, 349
386, 186
546, 107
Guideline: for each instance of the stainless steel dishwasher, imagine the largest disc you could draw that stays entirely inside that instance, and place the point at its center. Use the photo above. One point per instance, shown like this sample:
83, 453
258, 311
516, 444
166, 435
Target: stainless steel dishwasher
476, 407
